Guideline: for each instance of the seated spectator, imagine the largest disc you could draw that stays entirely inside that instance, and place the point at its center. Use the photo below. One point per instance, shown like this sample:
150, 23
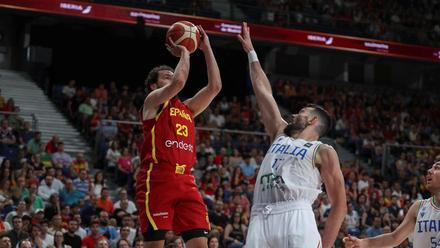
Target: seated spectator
62, 159
92, 239
56, 225
25, 132
80, 163
7, 139
376, 229
104, 201
5, 242
16, 234
52, 145
113, 156
69, 195
110, 232
82, 183
47, 188
34, 199
34, 145
131, 207
98, 183
235, 232
124, 168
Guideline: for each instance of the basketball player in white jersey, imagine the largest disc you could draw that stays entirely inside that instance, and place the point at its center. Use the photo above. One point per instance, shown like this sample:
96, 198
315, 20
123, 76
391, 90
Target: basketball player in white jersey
422, 219
292, 172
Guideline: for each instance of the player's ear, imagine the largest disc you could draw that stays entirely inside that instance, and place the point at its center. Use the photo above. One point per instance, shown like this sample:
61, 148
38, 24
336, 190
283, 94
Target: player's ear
313, 120
153, 86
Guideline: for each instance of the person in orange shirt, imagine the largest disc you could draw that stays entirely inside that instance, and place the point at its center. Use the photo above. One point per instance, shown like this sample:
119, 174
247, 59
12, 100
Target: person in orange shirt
105, 202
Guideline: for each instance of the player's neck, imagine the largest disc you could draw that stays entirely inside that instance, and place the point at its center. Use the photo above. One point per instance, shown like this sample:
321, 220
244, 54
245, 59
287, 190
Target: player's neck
436, 199
305, 136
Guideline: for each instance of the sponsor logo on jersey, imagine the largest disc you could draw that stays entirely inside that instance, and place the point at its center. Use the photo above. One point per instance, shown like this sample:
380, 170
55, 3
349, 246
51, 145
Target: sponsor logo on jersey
179, 145
161, 214
270, 180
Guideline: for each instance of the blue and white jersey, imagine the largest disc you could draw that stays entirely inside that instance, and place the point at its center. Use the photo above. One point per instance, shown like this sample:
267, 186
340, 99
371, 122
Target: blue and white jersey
288, 172
427, 229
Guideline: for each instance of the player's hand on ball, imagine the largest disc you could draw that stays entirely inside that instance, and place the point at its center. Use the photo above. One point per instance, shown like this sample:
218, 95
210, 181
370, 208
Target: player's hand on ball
352, 242
204, 41
245, 38
175, 50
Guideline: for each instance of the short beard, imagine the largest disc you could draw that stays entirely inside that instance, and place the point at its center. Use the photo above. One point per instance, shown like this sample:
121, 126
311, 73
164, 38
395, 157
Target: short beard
295, 126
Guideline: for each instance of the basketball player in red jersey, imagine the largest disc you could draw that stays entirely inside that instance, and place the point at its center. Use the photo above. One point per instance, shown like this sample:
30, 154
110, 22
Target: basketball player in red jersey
166, 194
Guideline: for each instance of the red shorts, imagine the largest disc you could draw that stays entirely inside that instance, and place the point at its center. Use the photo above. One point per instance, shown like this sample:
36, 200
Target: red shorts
169, 201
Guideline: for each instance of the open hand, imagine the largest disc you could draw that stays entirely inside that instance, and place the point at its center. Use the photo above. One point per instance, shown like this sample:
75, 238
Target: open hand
245, 38
204, 39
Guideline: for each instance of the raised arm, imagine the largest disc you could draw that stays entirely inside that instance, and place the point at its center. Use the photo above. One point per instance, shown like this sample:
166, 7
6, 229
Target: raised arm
270, 113
390, 239
178, 80
331, 174
204, 97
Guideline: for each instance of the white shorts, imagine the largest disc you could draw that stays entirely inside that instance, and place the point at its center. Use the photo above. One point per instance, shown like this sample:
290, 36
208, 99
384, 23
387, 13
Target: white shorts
283, 225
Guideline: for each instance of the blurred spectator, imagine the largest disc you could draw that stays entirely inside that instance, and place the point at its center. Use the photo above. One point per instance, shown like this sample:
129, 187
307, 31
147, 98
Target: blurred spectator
61, 159
123, 196
5, 242
70, 195
48, 188
52, 145
16, 234
82, 183
105, 202
92, 239
34, 145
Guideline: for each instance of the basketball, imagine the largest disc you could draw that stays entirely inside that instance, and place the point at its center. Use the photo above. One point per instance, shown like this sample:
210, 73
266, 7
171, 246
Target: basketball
184, 33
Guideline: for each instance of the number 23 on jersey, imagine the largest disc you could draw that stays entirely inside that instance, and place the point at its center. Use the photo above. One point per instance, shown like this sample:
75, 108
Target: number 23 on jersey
181, 130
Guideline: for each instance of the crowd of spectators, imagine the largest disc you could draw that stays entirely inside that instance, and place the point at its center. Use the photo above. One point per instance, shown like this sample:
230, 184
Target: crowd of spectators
411, 21
403, 21
51, 198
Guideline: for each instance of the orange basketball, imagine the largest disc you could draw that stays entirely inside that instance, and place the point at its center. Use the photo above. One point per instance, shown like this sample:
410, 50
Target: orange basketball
185, 34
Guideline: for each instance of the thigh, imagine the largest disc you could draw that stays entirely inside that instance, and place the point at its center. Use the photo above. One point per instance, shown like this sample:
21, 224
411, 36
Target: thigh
256, 237
155, 207
191, 212
300, 230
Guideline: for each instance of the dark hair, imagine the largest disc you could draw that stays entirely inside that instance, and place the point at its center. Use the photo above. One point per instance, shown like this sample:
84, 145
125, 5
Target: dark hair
121, 240
154, 74
324, 119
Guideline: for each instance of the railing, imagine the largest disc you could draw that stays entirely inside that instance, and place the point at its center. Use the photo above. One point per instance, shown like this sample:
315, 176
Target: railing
21, 113
233, 131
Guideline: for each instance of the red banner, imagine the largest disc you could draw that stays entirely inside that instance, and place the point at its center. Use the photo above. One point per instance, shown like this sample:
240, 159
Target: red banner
225, 27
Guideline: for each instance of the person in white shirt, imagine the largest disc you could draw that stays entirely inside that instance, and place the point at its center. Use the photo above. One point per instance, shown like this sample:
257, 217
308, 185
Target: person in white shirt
130, 207
422, 221
291, 175
46, 189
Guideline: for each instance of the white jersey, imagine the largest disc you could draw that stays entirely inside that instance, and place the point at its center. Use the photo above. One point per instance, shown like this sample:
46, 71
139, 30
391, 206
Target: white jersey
427, 229
288, 172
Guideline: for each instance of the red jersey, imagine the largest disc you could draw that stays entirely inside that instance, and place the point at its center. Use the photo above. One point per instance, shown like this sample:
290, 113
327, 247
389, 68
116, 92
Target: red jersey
169, 139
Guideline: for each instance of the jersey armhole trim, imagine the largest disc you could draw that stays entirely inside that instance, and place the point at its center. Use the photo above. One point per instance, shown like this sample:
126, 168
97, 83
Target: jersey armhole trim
314, 155
418, 207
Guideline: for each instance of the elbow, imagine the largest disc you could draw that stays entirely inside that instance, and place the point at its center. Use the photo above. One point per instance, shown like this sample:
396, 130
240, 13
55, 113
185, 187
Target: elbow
216, 87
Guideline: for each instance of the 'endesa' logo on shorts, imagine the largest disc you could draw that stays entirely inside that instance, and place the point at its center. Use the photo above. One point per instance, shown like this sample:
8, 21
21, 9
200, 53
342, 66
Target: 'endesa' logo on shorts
179, 144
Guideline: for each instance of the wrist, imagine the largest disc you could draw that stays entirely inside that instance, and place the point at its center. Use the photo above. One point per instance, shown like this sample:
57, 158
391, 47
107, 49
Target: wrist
252, 56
